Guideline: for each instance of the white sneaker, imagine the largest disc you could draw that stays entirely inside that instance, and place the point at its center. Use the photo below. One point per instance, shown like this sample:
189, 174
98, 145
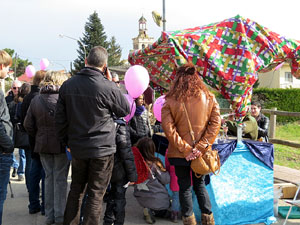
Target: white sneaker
21, 177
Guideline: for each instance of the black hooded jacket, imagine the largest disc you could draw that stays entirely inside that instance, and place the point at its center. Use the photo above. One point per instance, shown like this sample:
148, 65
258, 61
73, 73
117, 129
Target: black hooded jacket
84, 112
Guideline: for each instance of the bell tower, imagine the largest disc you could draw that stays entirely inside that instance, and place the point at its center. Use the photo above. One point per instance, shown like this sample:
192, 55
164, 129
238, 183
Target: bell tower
142, 40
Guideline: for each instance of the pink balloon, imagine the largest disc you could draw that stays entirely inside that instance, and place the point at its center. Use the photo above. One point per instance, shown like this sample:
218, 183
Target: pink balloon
30, 71
157, 106
136, 80
44, 63
132, 107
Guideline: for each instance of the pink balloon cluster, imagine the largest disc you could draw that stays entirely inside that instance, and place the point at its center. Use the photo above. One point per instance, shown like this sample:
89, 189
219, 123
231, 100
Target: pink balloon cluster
157, 106
44, 63
136, 82
30, 71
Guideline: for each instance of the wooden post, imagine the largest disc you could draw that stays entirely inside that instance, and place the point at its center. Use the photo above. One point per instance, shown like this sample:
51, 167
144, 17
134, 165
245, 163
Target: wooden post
272, 128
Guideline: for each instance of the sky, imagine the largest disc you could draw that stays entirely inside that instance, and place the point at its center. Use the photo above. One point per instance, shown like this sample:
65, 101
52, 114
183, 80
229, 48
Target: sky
32, 27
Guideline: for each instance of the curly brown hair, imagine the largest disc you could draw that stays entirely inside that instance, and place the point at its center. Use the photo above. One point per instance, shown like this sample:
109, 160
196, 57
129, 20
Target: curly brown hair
187, 83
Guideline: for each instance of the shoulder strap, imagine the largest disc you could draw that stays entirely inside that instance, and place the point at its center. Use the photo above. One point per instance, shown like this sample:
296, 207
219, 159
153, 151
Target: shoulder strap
189, 123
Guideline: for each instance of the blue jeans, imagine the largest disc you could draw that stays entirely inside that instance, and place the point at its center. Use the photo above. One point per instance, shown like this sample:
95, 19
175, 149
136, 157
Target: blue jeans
21, 164
175, 201
5, 164
36, 175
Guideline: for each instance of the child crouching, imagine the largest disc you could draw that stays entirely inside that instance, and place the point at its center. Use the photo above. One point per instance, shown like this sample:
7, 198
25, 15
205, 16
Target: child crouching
152, 193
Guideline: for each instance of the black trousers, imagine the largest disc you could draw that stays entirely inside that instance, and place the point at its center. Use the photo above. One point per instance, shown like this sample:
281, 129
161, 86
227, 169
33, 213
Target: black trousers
115, 206
92, 175
185, 191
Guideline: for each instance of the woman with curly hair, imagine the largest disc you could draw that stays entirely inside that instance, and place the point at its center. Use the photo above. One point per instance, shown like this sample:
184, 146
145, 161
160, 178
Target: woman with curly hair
189, 92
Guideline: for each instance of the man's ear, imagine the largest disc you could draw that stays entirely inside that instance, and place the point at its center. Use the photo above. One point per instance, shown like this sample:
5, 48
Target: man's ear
85, 61
1, 66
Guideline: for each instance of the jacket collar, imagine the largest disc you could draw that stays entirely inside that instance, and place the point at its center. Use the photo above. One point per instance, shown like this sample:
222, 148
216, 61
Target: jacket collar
91, 71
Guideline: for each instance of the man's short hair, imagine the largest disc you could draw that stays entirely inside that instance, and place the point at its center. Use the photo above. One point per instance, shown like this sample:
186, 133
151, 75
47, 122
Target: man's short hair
256, 104
97, 57
38, 77
5, 58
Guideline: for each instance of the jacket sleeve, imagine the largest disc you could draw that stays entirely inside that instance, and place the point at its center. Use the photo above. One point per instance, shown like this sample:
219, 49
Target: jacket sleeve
133, 129
29, 122
125, 152
263, 129
118, 103
6, 144
171, 133
61, 121
163, 177
213, 127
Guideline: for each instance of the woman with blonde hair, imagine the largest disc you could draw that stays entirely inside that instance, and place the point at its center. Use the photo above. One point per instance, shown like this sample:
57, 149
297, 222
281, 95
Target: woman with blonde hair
189, 99
40, 122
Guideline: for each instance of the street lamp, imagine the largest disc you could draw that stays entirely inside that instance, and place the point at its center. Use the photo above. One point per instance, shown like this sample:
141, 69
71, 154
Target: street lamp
62, 36
164, 16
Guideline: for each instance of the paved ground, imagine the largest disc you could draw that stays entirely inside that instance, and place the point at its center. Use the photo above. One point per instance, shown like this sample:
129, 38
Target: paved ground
16, 211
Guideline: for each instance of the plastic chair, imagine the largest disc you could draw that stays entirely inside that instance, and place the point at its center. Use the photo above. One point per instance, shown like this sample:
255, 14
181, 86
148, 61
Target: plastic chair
293, 202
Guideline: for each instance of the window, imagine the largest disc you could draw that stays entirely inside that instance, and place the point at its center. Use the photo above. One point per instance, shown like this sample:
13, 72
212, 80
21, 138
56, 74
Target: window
288, 77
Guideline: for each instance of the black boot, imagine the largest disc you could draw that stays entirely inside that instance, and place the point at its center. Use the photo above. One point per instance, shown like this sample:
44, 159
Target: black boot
14, 173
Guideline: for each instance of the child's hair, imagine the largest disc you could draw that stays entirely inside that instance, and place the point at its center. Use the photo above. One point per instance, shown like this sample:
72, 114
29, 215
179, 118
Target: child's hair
147, 148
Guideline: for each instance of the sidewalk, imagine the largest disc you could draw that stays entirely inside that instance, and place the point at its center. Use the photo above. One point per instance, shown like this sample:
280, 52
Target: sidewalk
16, 210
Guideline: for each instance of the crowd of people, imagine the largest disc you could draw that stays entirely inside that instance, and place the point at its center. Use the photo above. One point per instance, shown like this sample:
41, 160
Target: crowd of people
83, 116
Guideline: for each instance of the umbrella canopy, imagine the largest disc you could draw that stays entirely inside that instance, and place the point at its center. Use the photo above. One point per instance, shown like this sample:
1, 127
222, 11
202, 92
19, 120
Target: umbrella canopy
227, 56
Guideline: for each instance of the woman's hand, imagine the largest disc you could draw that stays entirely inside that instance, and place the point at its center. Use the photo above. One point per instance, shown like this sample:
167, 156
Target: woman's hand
193, 155
196, 153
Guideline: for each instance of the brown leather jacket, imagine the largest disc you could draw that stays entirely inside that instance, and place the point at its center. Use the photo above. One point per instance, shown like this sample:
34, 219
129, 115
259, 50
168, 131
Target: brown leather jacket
204, 115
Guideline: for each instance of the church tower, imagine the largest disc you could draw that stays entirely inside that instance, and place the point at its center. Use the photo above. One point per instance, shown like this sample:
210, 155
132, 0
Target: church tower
142, 40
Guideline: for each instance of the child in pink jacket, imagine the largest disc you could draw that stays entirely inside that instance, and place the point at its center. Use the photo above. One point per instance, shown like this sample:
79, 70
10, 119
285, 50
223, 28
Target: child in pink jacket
174, 188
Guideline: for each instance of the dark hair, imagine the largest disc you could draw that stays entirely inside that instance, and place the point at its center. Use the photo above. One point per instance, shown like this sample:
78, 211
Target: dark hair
22, 92
147, 148
97, 57
187, 83
256, 104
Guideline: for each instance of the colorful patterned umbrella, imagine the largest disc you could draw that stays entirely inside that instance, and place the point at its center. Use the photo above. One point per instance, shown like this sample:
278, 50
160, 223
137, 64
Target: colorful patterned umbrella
227, 55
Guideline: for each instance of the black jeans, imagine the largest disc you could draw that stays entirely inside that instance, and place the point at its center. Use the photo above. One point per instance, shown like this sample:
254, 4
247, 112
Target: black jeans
185, 191
115, 206
92, 176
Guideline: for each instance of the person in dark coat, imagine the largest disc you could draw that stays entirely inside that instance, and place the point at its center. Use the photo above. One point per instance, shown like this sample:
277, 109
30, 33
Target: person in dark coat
85, 124
39, 122
262, 121
124, 173
36, 173
140, 122
6, 133
11, 104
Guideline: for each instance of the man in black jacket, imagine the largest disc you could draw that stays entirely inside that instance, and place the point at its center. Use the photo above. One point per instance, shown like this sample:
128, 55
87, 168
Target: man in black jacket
262, 121
84, 123
6, 132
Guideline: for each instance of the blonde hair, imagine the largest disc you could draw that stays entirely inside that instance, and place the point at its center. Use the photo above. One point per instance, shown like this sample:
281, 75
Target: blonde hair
5, 58
54, 78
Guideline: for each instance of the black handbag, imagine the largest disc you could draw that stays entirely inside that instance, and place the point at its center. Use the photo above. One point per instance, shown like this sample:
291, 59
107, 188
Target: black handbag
21, 139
